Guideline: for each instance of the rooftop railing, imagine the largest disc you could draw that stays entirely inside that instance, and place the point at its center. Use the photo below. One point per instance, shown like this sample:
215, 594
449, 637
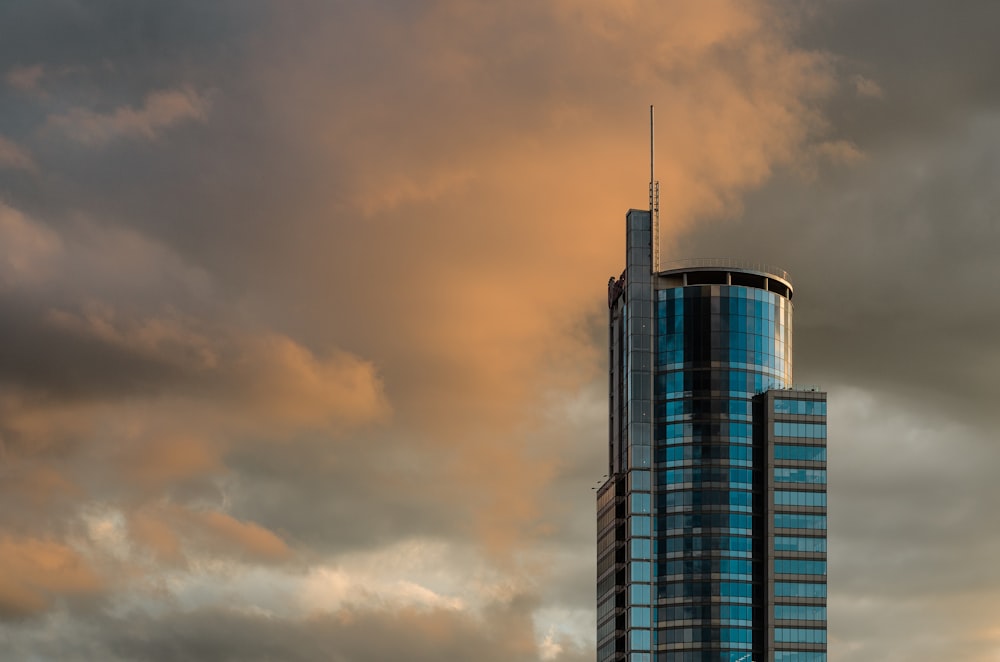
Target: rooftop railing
724, 263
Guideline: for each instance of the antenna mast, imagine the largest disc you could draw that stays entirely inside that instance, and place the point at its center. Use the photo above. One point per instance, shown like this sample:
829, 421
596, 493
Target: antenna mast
654, 198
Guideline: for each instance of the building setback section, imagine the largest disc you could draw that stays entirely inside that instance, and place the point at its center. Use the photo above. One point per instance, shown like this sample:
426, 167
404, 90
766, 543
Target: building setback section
712, 524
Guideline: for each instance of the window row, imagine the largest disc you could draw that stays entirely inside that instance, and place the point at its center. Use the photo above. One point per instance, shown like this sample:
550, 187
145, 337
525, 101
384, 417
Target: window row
738, 546
728, 637
736, 522
706, 567
799, 544
800, 407
799, 567
796, 656
732, 591
702, 431
796, 521
803, 430
736, 613
799, 613
812, 499
735, 455
738, 500
733, 408
800, 453
740, 293
739, 383
733, 477
809, 476
799, 589
800, 635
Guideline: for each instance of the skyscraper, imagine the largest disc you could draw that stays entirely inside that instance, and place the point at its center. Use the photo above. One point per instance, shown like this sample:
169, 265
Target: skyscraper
712, 524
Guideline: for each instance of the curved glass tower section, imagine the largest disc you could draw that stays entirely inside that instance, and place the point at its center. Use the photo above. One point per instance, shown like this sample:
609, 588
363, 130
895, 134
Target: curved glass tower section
712, 524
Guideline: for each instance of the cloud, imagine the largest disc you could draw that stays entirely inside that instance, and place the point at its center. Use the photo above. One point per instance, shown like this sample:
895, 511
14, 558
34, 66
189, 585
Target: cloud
866, 87
30, 249
160, 110
36, 571
15, 157
25, 78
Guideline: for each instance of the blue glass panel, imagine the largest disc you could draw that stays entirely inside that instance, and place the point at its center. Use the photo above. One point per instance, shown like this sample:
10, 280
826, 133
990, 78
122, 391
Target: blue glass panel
796, 521
640, 571
641, 525
799, 590
799, 407
811, 476
799, 567
814, 499
800, 635
639, 594
800, 612
640, 617
803, 430
639, 639
642, 548
799, 544
800, 453
640, 502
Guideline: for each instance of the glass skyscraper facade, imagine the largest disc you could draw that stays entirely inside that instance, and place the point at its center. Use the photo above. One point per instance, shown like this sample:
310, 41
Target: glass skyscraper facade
712, 523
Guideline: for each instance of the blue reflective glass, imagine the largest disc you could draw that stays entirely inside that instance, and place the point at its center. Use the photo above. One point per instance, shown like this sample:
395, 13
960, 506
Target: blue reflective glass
785, 498
640, 617
800, 612
811, 476
640, 502
799, 590
799, 656
642, 548
639, 594
799, 407
639, 639
639, 480
797, 521
641, 525
800, 453
803, 430
800, 635
799, 567
799, 544
640, 571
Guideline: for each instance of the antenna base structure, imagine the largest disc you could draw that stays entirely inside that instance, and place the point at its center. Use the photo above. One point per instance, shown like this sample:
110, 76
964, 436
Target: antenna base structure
654, 197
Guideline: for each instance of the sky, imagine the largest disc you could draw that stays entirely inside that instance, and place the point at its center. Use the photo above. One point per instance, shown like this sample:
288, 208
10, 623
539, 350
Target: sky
303, 309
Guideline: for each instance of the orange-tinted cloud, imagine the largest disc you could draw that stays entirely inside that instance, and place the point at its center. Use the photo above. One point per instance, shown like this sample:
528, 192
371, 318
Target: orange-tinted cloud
172, 532
34, 572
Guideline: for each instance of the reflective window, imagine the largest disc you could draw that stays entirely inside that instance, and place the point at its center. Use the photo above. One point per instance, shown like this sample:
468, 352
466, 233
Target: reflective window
799, 567
641, 525
640, 502
799, 407
804, 430
639, 617
796, 544
800, 613
639, 639
800, 453
814, 499
799, 590
800, 635
811, 476
797, 521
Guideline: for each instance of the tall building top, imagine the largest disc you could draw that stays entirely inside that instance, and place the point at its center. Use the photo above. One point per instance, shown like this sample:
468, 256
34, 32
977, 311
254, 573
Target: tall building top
727, 271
